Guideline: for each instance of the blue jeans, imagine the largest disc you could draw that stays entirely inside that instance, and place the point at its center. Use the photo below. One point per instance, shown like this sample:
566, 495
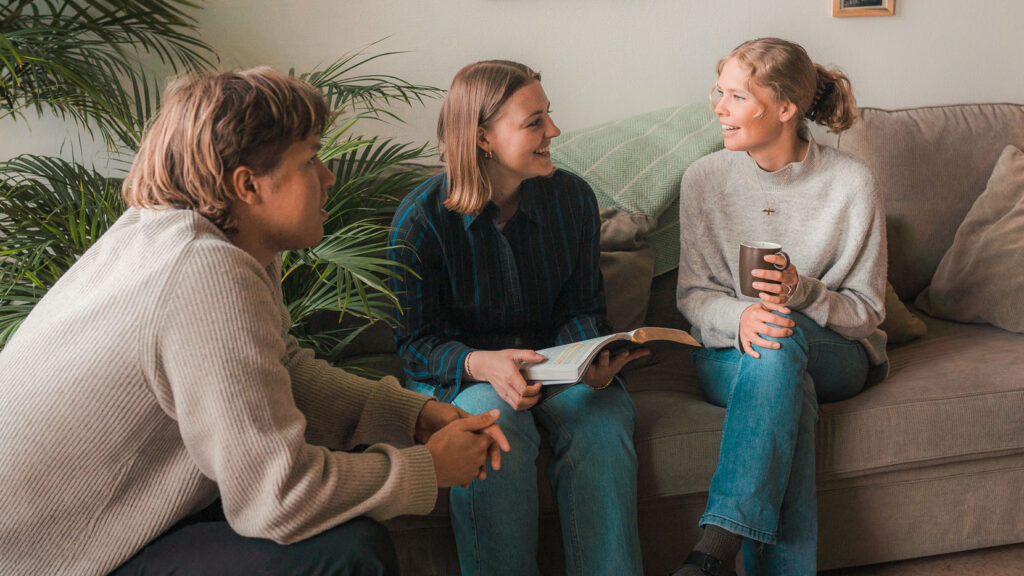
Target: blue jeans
593, 469
763, 488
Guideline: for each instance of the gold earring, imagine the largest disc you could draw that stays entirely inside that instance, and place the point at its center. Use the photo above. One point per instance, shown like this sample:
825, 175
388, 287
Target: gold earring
488, 155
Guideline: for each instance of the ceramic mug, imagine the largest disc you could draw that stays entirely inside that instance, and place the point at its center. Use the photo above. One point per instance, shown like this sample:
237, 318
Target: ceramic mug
752, 257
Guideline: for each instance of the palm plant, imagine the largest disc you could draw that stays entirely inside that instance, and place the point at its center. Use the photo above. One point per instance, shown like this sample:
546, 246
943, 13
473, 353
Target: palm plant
344, 277
79, 59
82, 60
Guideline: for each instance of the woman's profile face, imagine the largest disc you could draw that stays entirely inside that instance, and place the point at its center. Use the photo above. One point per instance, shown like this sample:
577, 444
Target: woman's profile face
518, 137
747, 111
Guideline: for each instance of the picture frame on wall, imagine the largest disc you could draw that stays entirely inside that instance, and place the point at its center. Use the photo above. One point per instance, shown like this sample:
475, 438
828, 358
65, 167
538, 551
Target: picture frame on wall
844, 8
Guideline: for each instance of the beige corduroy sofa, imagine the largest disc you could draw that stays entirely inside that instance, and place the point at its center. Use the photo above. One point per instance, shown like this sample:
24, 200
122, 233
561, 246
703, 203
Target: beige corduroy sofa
927, 462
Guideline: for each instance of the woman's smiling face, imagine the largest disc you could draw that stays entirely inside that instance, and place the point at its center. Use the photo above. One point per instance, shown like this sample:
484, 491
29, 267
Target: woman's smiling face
519, 137
747, 111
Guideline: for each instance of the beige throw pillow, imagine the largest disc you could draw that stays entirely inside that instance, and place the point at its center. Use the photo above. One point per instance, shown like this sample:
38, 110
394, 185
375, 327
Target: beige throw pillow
627, 286
980, 278
900, 326
627, 265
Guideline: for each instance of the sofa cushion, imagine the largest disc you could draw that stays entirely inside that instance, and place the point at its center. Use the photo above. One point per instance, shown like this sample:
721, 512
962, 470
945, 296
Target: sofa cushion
934, 408
635, 164
980, 278
930, 164
955, 394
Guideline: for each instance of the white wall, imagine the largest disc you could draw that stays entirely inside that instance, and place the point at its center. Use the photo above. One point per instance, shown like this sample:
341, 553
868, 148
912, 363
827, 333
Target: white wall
604, 59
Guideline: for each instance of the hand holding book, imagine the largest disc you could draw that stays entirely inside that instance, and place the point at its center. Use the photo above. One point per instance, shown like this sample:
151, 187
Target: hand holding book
569, 362
501, 369
603, 369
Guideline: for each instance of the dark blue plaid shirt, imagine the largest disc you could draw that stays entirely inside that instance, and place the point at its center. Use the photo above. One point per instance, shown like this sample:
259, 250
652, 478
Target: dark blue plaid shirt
534, 284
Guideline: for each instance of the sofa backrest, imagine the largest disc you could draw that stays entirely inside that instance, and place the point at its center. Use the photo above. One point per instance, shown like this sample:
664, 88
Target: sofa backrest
931, 164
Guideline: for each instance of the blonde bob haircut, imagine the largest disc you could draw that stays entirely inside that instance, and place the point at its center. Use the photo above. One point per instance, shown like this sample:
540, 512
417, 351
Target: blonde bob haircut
477, 93
209, 124
821, 95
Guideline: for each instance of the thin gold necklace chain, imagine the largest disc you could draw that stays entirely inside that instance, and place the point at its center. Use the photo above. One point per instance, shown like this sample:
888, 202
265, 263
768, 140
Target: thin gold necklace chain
768, 198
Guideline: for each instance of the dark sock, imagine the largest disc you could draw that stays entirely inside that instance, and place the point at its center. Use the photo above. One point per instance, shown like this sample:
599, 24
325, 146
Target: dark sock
721, 544
717, 542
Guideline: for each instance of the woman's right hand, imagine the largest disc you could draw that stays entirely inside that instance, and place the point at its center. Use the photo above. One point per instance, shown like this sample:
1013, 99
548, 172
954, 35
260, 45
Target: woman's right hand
501, 369
755, 325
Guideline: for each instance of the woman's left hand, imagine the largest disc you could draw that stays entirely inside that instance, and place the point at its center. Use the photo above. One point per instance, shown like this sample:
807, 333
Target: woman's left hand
601, 371
787, 279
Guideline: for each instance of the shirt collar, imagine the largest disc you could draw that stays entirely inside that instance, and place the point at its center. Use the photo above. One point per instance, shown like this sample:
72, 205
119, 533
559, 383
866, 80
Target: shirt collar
528, 207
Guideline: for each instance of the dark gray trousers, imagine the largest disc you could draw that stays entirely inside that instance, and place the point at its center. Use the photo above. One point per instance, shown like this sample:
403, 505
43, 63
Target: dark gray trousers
206, 544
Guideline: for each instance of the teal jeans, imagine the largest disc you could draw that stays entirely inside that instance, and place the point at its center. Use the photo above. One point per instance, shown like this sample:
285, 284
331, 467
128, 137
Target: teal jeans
763, 488
593, 469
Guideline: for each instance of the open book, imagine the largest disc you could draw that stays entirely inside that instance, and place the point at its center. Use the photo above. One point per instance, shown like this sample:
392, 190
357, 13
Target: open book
566, 364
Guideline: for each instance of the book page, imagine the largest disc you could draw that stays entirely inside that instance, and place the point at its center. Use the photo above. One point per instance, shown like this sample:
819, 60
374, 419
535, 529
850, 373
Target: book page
649, 333
566, 362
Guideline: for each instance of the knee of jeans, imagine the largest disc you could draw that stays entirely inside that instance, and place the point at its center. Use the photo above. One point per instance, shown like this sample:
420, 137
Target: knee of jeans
518, 425
609, 420
603, 411
618, 409
790, 354
793, 346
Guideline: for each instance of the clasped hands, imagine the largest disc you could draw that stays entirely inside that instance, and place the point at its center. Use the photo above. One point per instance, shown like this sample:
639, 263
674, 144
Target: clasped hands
459, 442
759, 319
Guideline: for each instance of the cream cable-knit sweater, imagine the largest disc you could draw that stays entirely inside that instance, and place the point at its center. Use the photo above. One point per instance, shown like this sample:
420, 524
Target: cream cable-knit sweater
157, 374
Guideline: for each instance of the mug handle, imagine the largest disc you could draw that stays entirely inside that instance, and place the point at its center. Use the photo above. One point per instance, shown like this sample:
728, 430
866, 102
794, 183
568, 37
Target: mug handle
786, 265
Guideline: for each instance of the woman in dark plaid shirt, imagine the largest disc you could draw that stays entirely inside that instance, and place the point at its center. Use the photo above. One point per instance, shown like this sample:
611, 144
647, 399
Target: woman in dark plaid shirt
504, 253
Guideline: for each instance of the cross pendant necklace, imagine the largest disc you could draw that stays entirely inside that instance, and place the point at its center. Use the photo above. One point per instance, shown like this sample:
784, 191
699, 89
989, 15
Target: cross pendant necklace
766, 197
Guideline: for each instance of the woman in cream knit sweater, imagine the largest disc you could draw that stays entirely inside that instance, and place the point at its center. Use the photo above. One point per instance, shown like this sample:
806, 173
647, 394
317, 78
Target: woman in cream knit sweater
811, 335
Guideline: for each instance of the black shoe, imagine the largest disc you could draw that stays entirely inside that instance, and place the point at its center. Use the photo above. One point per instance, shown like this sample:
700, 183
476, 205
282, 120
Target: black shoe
707, 564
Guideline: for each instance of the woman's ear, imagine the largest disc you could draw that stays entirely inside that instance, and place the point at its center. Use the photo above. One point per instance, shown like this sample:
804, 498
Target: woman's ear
244, 185
481, 139
786, 111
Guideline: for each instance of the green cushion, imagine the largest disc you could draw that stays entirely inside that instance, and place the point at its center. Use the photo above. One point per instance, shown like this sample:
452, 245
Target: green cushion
635, 164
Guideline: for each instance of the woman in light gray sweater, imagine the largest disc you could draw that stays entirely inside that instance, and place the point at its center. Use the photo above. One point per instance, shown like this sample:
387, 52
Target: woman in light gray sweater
158, 374
812, 334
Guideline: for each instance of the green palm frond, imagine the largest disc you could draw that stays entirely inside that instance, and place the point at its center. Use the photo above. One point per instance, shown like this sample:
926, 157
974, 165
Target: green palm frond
346, 273
79, 59
337, 289
51, 211
371, 180
367, 95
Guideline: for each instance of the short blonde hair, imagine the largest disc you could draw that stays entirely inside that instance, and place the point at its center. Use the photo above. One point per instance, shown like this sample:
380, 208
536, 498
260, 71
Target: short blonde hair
477, 93
211, 123
822, 95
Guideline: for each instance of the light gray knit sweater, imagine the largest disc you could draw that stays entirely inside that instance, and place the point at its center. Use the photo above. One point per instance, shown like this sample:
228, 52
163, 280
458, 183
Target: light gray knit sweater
157, 374
828, 216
